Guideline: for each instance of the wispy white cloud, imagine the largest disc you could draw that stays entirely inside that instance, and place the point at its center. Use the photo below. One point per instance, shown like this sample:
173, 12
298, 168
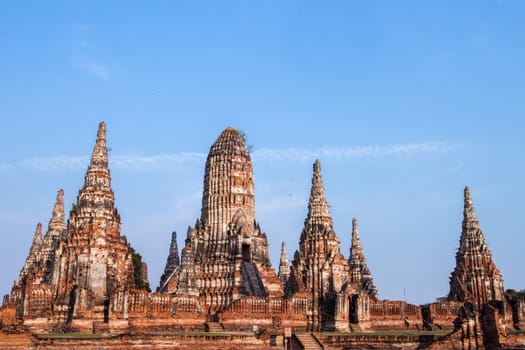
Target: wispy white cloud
135, 162
5, 166
92, 67
55, 163
345, 153
166, 161
155, 161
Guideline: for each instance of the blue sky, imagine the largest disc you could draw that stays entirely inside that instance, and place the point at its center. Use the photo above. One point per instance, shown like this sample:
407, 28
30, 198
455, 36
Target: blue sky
403, 102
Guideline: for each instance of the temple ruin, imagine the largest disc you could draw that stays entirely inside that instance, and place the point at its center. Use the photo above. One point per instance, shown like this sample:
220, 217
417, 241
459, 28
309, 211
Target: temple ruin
81, 276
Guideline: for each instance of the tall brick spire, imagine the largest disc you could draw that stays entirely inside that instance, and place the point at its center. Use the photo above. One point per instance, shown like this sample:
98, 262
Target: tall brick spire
99, 258
172, 262
475, 278
469, 214
37, 239
359, 272
57, 222
97, 190
315, 264
99, 157
34, 252
228, 183
284, 267
55, 230
318, 205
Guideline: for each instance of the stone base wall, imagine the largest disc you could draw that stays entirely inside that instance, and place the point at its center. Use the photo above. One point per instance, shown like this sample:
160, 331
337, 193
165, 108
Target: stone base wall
270, 313
8, 316
40, 325
181, 342
155, 325
443, 313
238, 342
390, 315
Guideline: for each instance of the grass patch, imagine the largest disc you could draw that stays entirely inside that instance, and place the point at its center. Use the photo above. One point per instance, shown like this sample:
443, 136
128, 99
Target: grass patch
74, 336
390, 333
201, 334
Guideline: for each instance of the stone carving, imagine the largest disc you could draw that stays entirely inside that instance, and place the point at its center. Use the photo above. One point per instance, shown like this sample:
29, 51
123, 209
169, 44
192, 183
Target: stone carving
466, 324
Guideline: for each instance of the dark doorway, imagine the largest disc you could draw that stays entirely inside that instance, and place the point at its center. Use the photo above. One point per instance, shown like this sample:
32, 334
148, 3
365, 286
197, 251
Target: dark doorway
71, 306
354, 315
246, 253
426, 315
106, 310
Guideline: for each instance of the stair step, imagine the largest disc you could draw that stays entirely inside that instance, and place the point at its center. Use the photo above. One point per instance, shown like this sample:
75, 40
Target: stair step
214, 327
308, 341
254, 283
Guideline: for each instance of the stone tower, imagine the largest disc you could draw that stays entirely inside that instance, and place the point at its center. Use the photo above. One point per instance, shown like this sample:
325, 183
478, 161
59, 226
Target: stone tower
95, 258
318, 268
172, 263
33, 258
228, 184
56, 230
39, 266
359, 272
475, 278
284, 267
226, 254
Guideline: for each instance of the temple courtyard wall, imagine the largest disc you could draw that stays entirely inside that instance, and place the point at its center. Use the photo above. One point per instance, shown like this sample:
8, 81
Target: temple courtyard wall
346, 341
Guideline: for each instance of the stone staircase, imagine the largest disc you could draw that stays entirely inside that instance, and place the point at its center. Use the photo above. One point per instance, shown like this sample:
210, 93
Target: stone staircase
252, 280
308, 341
214, 327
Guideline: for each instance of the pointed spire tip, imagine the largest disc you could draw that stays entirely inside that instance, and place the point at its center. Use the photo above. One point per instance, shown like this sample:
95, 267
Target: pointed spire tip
317, 165
38, 233
101, 133
467, 195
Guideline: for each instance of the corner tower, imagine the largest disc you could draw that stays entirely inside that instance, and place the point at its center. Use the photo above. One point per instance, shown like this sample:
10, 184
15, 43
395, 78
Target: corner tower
359, 272
319, 270
475, 278
95, 259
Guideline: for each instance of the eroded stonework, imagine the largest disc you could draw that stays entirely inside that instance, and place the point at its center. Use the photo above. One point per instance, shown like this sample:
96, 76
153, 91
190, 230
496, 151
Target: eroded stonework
475, 278
84, 276
284, 266
172, 264
95, 260
320, 271
226, 254
359, 271
74, 271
